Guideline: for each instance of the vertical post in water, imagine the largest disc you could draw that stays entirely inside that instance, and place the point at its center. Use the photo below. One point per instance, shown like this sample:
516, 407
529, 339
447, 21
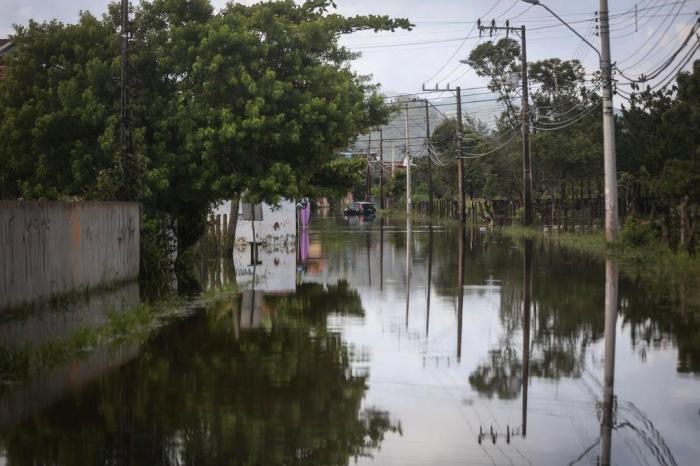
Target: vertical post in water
527, 290
610, 156
430, 278
460, 290
606, 424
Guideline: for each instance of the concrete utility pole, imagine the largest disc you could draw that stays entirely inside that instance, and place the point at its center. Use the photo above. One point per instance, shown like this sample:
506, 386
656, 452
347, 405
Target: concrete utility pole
408, 170
610, 155
381, 168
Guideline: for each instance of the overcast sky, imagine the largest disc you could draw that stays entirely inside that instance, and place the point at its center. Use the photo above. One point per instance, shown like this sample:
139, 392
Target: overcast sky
437, 42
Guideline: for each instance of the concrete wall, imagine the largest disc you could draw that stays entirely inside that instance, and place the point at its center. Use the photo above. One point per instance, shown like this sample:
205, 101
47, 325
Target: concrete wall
52, 248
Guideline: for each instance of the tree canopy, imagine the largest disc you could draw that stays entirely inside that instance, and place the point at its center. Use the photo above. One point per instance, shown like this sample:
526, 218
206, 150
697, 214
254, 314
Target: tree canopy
251, 98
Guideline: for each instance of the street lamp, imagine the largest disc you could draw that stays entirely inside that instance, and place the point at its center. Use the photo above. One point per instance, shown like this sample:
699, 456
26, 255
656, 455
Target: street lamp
610, 163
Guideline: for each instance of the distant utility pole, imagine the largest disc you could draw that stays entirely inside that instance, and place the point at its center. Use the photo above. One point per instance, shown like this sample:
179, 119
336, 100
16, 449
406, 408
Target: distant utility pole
125, 137
460, 161
430, 163
408, 169
524, 118
368, 181
381, 168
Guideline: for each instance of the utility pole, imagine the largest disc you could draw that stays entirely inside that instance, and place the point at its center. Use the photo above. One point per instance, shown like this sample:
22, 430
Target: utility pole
527, 163
408, 169
610, 155
124, 135
430, 163
368, 175
460, 161
381, 168
524, 115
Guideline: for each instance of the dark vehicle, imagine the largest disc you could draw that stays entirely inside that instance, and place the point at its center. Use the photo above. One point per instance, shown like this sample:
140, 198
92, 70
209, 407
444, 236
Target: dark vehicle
360, 208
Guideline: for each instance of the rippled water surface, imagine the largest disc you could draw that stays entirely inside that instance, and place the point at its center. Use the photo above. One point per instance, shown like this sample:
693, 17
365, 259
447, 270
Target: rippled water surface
359, 345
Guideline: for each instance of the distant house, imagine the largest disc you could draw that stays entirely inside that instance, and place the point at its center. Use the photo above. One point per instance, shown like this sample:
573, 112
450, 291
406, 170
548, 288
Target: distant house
5, 47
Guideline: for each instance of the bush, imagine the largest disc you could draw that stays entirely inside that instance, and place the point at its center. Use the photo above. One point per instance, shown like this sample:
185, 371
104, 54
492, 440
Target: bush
637, 233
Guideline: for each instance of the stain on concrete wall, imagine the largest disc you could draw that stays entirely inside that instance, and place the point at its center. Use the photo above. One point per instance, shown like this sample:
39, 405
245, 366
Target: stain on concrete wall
52, 248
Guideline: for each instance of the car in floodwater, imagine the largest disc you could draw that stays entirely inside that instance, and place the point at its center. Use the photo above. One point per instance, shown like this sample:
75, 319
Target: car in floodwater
360, 208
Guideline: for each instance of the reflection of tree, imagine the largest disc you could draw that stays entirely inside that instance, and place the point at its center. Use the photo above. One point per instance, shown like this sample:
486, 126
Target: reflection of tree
198, 396
501, 375
314, 302
563, 323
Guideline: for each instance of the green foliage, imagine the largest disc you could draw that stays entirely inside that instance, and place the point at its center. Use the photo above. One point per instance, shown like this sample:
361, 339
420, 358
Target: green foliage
636, 233
253, 99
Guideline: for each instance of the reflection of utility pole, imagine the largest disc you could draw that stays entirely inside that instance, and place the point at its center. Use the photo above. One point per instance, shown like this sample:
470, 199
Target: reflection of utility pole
525, 119
408, 265
430, 275
606, 425
527, 290
369, 260
381, 254
460, 290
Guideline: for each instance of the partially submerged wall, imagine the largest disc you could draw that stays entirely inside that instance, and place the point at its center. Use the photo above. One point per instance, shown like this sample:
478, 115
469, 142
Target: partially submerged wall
52, 248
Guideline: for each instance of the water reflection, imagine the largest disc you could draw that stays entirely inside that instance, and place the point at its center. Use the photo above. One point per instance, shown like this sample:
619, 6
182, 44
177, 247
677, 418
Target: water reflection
310, 362
611, 300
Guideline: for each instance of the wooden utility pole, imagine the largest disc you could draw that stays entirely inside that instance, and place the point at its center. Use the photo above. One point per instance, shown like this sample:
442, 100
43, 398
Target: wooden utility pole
527, 163
460, 162
381, 168
524, 117
610, 156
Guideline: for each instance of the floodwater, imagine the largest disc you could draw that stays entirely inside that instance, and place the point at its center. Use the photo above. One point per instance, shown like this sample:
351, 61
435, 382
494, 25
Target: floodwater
381, 343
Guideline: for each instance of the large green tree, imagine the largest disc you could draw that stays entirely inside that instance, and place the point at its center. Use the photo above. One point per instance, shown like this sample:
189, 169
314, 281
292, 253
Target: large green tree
252, 98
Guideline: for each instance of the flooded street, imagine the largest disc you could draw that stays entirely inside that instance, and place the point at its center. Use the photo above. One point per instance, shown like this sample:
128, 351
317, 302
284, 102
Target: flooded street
381, 343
